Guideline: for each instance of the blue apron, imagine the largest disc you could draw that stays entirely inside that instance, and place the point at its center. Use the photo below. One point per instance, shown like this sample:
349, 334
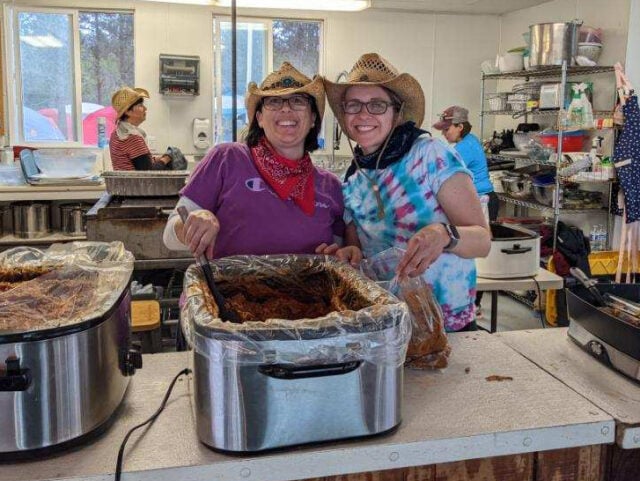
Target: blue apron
627, 148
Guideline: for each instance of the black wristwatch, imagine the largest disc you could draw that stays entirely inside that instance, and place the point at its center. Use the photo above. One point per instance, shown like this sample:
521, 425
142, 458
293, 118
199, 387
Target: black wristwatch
454, 237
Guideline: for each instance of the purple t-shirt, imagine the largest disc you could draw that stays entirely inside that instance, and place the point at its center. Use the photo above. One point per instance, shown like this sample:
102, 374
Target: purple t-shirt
253, 219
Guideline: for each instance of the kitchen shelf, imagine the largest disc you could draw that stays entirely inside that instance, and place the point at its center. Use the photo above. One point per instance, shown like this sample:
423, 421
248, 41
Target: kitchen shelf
545, 72
543, 113
11, 240
545, 208
524, 160
563, 73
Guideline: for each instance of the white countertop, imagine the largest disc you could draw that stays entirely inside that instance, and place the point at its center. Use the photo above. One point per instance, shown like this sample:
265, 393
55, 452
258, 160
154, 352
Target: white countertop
449, 415
50, 192
545, 279
556, 353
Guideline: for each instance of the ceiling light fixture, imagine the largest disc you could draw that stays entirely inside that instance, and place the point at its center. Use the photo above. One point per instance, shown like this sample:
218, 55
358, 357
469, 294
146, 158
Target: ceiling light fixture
335, 5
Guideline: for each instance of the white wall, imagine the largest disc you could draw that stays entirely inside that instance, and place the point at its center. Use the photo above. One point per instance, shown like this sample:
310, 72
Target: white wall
632, 66
442, 51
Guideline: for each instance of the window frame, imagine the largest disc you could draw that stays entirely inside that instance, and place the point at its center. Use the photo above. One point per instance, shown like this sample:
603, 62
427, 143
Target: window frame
13, 72
216, 90
217, 63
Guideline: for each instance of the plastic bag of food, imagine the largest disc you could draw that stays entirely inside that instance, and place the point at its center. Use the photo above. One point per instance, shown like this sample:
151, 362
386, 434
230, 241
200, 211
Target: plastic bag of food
428, 346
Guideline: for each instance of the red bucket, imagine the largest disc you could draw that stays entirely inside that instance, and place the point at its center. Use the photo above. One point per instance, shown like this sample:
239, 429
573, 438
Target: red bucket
571, 141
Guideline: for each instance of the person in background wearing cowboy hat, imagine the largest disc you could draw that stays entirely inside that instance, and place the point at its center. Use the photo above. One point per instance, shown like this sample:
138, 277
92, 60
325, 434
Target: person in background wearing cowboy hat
405, 189
128, 145
265, 196
455, 127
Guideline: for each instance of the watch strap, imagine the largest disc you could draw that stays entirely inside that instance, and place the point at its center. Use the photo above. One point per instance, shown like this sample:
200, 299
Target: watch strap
454, 237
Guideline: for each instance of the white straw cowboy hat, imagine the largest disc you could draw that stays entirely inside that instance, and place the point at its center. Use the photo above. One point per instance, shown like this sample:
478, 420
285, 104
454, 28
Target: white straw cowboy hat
287, 80
372, 69
123, 99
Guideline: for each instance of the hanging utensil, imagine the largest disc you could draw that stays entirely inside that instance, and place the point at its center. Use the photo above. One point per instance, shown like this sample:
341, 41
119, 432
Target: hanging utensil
590, 284
226, 314
621, 248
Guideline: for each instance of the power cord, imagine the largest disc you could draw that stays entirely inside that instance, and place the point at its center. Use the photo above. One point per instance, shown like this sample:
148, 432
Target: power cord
150, 420
543, 318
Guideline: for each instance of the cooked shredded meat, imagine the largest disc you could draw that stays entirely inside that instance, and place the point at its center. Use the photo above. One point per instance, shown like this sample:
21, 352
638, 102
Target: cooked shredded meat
55, 299
15, 275
428, 347
259, 300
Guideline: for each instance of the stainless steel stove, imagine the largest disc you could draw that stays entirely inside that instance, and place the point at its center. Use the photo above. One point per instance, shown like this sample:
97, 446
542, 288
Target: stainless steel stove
136, 221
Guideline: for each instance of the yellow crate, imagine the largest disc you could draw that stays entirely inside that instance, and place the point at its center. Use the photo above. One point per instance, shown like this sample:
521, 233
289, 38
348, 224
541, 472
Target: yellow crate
145, 315
604, 263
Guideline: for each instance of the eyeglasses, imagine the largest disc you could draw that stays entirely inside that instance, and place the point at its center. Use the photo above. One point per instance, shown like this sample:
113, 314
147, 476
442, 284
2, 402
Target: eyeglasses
374, 107
295, 102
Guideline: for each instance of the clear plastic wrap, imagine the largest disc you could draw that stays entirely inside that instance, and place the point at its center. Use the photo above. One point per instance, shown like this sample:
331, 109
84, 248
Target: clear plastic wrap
428, 347
61, 286
354, 319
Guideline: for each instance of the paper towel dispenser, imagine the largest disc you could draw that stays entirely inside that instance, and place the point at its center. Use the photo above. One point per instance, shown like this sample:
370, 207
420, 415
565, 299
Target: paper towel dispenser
179, 75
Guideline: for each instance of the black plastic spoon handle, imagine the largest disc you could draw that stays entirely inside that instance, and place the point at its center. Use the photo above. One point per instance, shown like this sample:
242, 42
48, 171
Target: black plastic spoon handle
225, 314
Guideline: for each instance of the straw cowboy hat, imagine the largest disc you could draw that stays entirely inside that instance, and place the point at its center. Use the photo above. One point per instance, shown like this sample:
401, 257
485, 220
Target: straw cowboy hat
123, 99
287, 80
372, 69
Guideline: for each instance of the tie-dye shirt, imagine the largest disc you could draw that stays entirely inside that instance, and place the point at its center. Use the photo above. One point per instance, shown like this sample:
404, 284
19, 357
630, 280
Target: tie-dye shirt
408, 188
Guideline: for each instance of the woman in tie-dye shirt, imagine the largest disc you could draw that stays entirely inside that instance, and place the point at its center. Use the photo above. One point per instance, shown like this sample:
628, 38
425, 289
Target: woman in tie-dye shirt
407, 190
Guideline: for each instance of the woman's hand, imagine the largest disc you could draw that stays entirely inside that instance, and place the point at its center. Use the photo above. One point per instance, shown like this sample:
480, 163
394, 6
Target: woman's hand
163, 159
199, 232
349, 254
422, 250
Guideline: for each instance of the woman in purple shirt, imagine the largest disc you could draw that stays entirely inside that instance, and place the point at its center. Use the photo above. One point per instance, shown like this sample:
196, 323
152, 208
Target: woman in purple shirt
265, 196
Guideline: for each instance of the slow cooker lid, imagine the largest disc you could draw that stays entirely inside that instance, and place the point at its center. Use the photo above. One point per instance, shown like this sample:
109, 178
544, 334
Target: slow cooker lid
511, 232
64, 289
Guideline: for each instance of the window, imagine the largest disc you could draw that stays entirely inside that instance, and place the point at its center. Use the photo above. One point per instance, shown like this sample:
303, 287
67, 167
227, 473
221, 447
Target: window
67, 63
262, 46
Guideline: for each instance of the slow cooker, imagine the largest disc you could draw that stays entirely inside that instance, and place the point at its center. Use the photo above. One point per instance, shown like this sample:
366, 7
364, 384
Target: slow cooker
515, 252
65, 355
276, 382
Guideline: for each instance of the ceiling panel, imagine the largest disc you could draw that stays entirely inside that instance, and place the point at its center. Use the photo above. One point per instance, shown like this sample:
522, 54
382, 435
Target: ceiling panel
467, 7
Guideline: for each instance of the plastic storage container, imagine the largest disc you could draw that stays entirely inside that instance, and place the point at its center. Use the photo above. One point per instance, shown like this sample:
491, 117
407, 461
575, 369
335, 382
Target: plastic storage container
65, 162
571, 141
11, 175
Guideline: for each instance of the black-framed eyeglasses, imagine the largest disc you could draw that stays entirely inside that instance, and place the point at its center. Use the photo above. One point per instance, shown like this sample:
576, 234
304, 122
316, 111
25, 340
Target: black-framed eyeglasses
295, 102
374, 107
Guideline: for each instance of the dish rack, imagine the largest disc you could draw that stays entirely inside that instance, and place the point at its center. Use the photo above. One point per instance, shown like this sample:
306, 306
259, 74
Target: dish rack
497, 102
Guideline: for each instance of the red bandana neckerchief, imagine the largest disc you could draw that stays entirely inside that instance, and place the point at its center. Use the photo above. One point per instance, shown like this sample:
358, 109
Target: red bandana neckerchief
288, 178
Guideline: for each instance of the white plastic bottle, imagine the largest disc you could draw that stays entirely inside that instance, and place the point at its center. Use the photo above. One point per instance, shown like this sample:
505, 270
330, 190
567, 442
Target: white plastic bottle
102, 132
602, 238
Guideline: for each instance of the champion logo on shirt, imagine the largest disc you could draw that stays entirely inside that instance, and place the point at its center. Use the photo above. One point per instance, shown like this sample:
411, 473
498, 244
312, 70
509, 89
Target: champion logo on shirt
256, 184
